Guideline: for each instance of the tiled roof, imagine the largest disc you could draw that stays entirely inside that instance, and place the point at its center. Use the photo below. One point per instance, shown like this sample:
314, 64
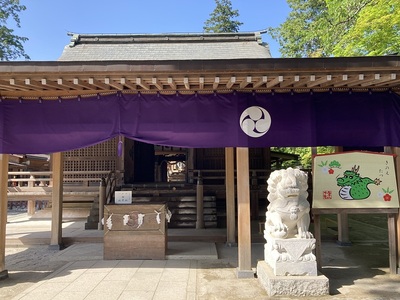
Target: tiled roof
158, 47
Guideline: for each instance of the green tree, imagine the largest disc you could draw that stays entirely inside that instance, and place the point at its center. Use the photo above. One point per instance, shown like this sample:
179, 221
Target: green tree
304, 153
339, 28
10, 44
222, 19
376, 31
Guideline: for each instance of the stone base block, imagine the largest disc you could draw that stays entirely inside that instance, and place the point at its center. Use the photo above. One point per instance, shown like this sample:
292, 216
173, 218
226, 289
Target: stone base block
301, 268
245, 273
291, 285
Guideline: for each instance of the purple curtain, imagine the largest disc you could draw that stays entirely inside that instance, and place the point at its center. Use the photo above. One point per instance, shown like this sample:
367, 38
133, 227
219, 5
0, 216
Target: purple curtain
196, 121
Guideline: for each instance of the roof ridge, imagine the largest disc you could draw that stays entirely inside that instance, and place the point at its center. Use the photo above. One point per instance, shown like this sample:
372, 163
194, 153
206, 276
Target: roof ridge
101, 38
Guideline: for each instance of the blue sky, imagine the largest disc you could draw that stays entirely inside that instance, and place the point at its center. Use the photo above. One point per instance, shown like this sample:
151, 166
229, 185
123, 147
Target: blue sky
47, 22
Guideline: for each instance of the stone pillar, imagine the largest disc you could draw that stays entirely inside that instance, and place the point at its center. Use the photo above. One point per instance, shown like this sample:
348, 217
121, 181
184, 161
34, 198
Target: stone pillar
31, 207
3, 213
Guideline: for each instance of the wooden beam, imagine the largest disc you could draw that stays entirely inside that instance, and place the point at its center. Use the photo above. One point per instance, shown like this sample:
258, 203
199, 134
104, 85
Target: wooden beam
50, 84
275, 81
201, 83
6, 85
290, 81
67, 84
380, 80
3, 213
261, 82
113, 84
391, 79
319, 81
142, 84
81, 83
244, 226
157, 83
33, 84
127, 83
172, 83
98, 83
23, 85
245, 82
216, 83
186, 83
347, 81
57, 201
231, 82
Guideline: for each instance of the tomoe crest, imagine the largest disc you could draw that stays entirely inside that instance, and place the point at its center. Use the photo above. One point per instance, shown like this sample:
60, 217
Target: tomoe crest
255, 121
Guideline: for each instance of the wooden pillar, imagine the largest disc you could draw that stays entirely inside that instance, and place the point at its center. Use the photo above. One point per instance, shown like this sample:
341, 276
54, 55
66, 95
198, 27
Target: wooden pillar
343, 229
396, 151
244, 225
254, 197
190, 165
317, 236
199, 203
343, 222
102, 202
3, 213
57, 201
392, 243
230, 197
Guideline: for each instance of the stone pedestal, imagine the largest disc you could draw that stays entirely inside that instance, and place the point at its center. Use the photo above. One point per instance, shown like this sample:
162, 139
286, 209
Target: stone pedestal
290, 268
291, 285
291, 256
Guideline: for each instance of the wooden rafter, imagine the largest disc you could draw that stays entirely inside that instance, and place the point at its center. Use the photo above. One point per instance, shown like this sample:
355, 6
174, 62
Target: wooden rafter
53, 79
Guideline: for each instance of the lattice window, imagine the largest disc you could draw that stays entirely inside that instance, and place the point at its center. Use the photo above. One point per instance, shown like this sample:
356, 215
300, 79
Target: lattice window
100, 157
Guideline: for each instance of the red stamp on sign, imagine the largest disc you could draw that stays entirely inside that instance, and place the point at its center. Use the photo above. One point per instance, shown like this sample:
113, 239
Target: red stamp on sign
327, 195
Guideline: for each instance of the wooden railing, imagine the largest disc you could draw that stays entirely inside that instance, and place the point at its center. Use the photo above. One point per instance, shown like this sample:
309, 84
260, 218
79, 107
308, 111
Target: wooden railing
77, 185
44, 178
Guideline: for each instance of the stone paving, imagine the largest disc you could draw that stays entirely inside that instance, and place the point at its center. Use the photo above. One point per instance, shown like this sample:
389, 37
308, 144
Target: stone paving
360, 271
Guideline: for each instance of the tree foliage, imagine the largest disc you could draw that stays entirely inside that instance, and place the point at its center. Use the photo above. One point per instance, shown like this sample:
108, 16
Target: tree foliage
320, 28
11, 45
304, 153
222, 19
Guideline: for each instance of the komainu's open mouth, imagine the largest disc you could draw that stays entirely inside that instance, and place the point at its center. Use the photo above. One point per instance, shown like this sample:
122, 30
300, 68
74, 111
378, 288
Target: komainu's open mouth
291, 192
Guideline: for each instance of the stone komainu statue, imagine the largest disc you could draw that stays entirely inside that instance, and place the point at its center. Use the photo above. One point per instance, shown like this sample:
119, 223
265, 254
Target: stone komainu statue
289, 247
287, 214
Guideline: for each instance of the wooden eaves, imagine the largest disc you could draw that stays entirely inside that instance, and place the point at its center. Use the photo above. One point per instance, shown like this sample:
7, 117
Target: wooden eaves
33, 79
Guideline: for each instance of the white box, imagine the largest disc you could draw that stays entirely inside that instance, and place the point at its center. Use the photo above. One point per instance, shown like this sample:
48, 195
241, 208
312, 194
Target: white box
123, 197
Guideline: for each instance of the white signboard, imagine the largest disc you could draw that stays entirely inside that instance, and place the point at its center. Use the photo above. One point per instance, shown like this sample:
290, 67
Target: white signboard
354, 180
123, 197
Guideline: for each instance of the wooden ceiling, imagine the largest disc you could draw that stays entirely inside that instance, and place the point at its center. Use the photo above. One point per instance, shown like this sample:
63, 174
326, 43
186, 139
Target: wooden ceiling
63, 79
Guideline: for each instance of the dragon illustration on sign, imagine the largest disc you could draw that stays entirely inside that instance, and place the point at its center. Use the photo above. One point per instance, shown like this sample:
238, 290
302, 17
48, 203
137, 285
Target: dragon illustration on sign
353, 186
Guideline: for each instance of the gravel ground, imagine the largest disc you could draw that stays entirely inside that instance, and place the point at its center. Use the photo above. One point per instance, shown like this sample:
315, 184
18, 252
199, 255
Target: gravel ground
26, 266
